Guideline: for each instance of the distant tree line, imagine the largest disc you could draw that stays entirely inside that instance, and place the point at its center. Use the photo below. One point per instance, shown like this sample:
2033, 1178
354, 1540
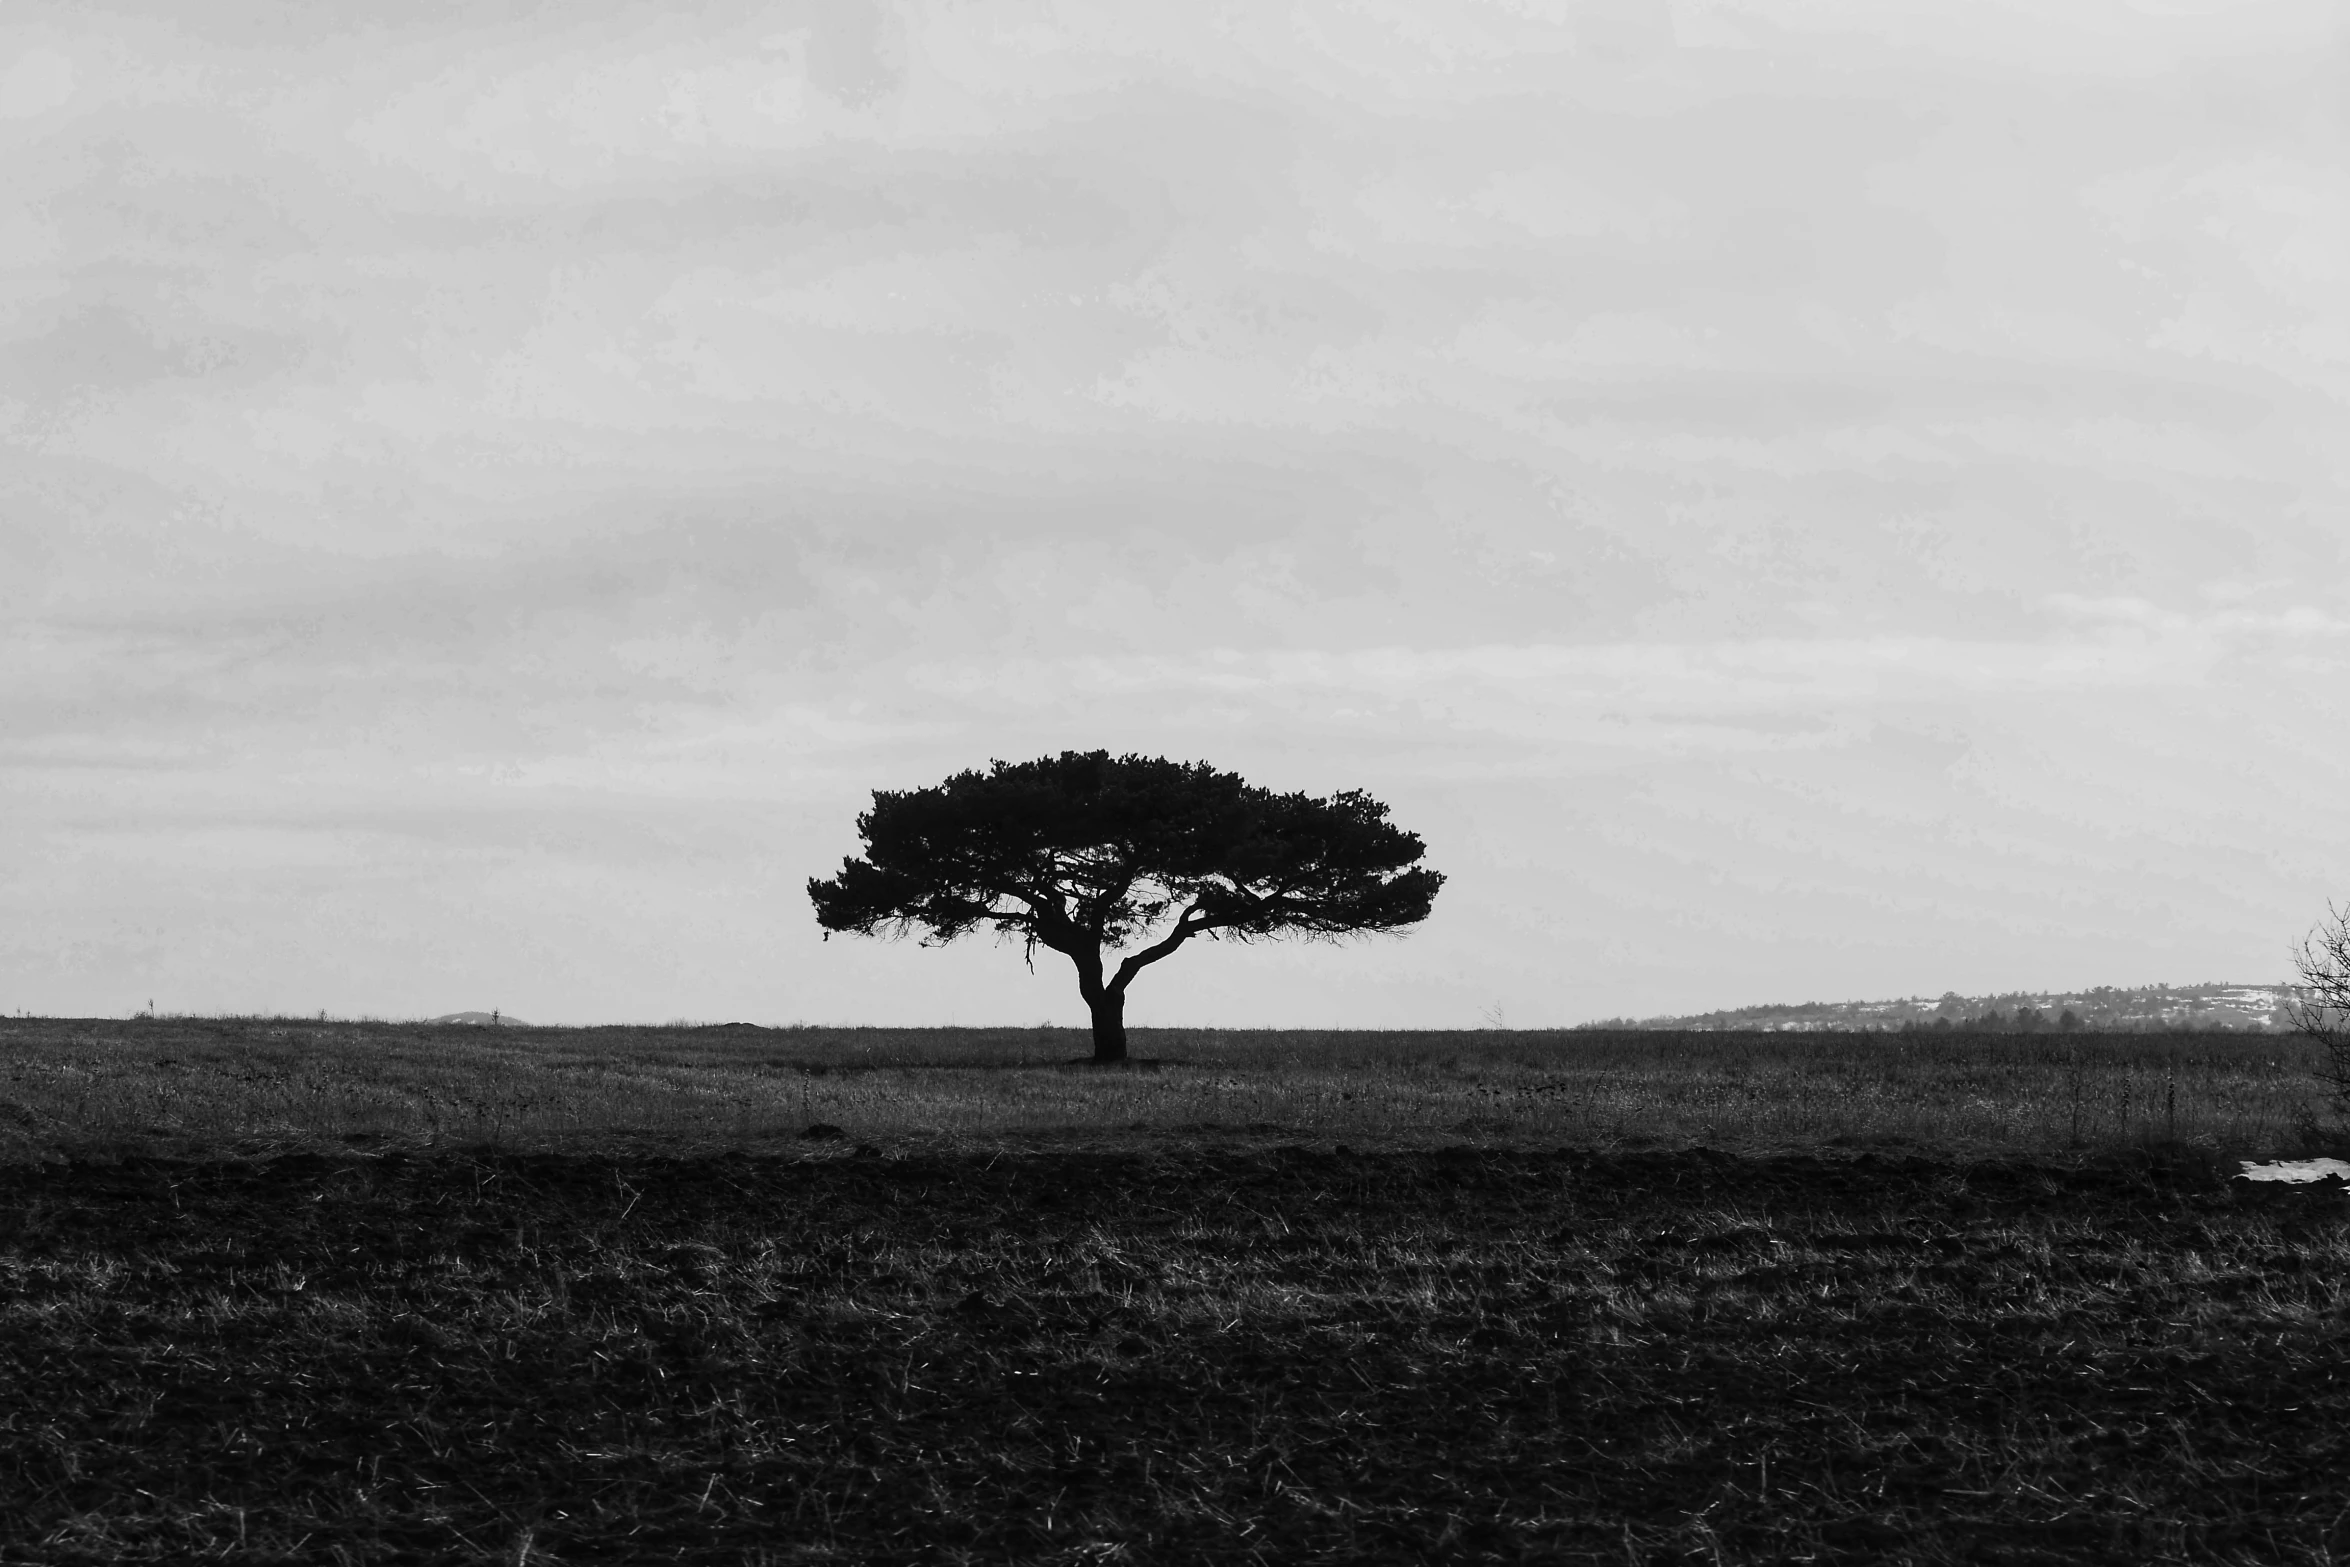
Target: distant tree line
2032, 1020
2023, 1020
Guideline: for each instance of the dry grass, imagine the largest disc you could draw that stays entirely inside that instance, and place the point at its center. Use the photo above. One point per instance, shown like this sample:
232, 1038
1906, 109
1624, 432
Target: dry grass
189, 1086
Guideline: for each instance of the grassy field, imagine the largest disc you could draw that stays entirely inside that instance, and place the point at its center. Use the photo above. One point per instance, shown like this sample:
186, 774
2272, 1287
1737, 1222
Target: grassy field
196, 1086
300, 1292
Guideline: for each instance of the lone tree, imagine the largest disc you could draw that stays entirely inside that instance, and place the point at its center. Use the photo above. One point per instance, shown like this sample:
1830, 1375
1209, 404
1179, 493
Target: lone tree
2322, 1008
1085, 854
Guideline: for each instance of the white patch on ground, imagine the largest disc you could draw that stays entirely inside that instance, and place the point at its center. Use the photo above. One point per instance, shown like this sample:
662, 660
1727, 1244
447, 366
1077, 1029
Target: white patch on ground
2295, 1170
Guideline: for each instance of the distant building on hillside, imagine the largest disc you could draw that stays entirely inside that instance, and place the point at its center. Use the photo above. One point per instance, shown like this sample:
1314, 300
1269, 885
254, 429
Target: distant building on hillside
2207, 1006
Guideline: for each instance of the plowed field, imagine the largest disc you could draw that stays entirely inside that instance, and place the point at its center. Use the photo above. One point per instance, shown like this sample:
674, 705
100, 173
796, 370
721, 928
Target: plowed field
1187, 1353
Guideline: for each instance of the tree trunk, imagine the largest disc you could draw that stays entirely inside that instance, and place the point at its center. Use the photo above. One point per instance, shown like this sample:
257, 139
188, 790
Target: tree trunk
1109, 1027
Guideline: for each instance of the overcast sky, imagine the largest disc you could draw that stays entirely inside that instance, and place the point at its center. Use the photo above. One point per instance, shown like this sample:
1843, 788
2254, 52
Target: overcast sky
1791, 500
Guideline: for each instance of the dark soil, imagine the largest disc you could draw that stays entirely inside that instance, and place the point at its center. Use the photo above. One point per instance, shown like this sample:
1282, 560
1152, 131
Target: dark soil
1184, 1356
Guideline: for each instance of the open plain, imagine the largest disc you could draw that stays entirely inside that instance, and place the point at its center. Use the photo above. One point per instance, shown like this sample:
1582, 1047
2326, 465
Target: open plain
286, 1291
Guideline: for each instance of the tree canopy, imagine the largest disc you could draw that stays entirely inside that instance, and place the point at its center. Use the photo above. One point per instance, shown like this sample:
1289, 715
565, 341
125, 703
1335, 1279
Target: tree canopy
1084, 853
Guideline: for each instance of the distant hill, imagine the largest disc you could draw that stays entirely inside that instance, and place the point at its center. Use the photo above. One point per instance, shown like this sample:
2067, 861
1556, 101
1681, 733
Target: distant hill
2260, 1007
484, 1019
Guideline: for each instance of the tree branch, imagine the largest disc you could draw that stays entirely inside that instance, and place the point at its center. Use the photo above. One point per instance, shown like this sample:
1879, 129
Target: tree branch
1185, 928
2322, 1009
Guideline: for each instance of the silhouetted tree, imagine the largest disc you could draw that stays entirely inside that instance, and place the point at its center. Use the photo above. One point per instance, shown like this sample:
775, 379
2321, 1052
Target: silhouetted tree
1084, 853
2322, 1009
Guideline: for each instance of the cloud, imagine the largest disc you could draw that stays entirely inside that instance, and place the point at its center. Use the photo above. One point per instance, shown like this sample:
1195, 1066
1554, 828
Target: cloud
38, 81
